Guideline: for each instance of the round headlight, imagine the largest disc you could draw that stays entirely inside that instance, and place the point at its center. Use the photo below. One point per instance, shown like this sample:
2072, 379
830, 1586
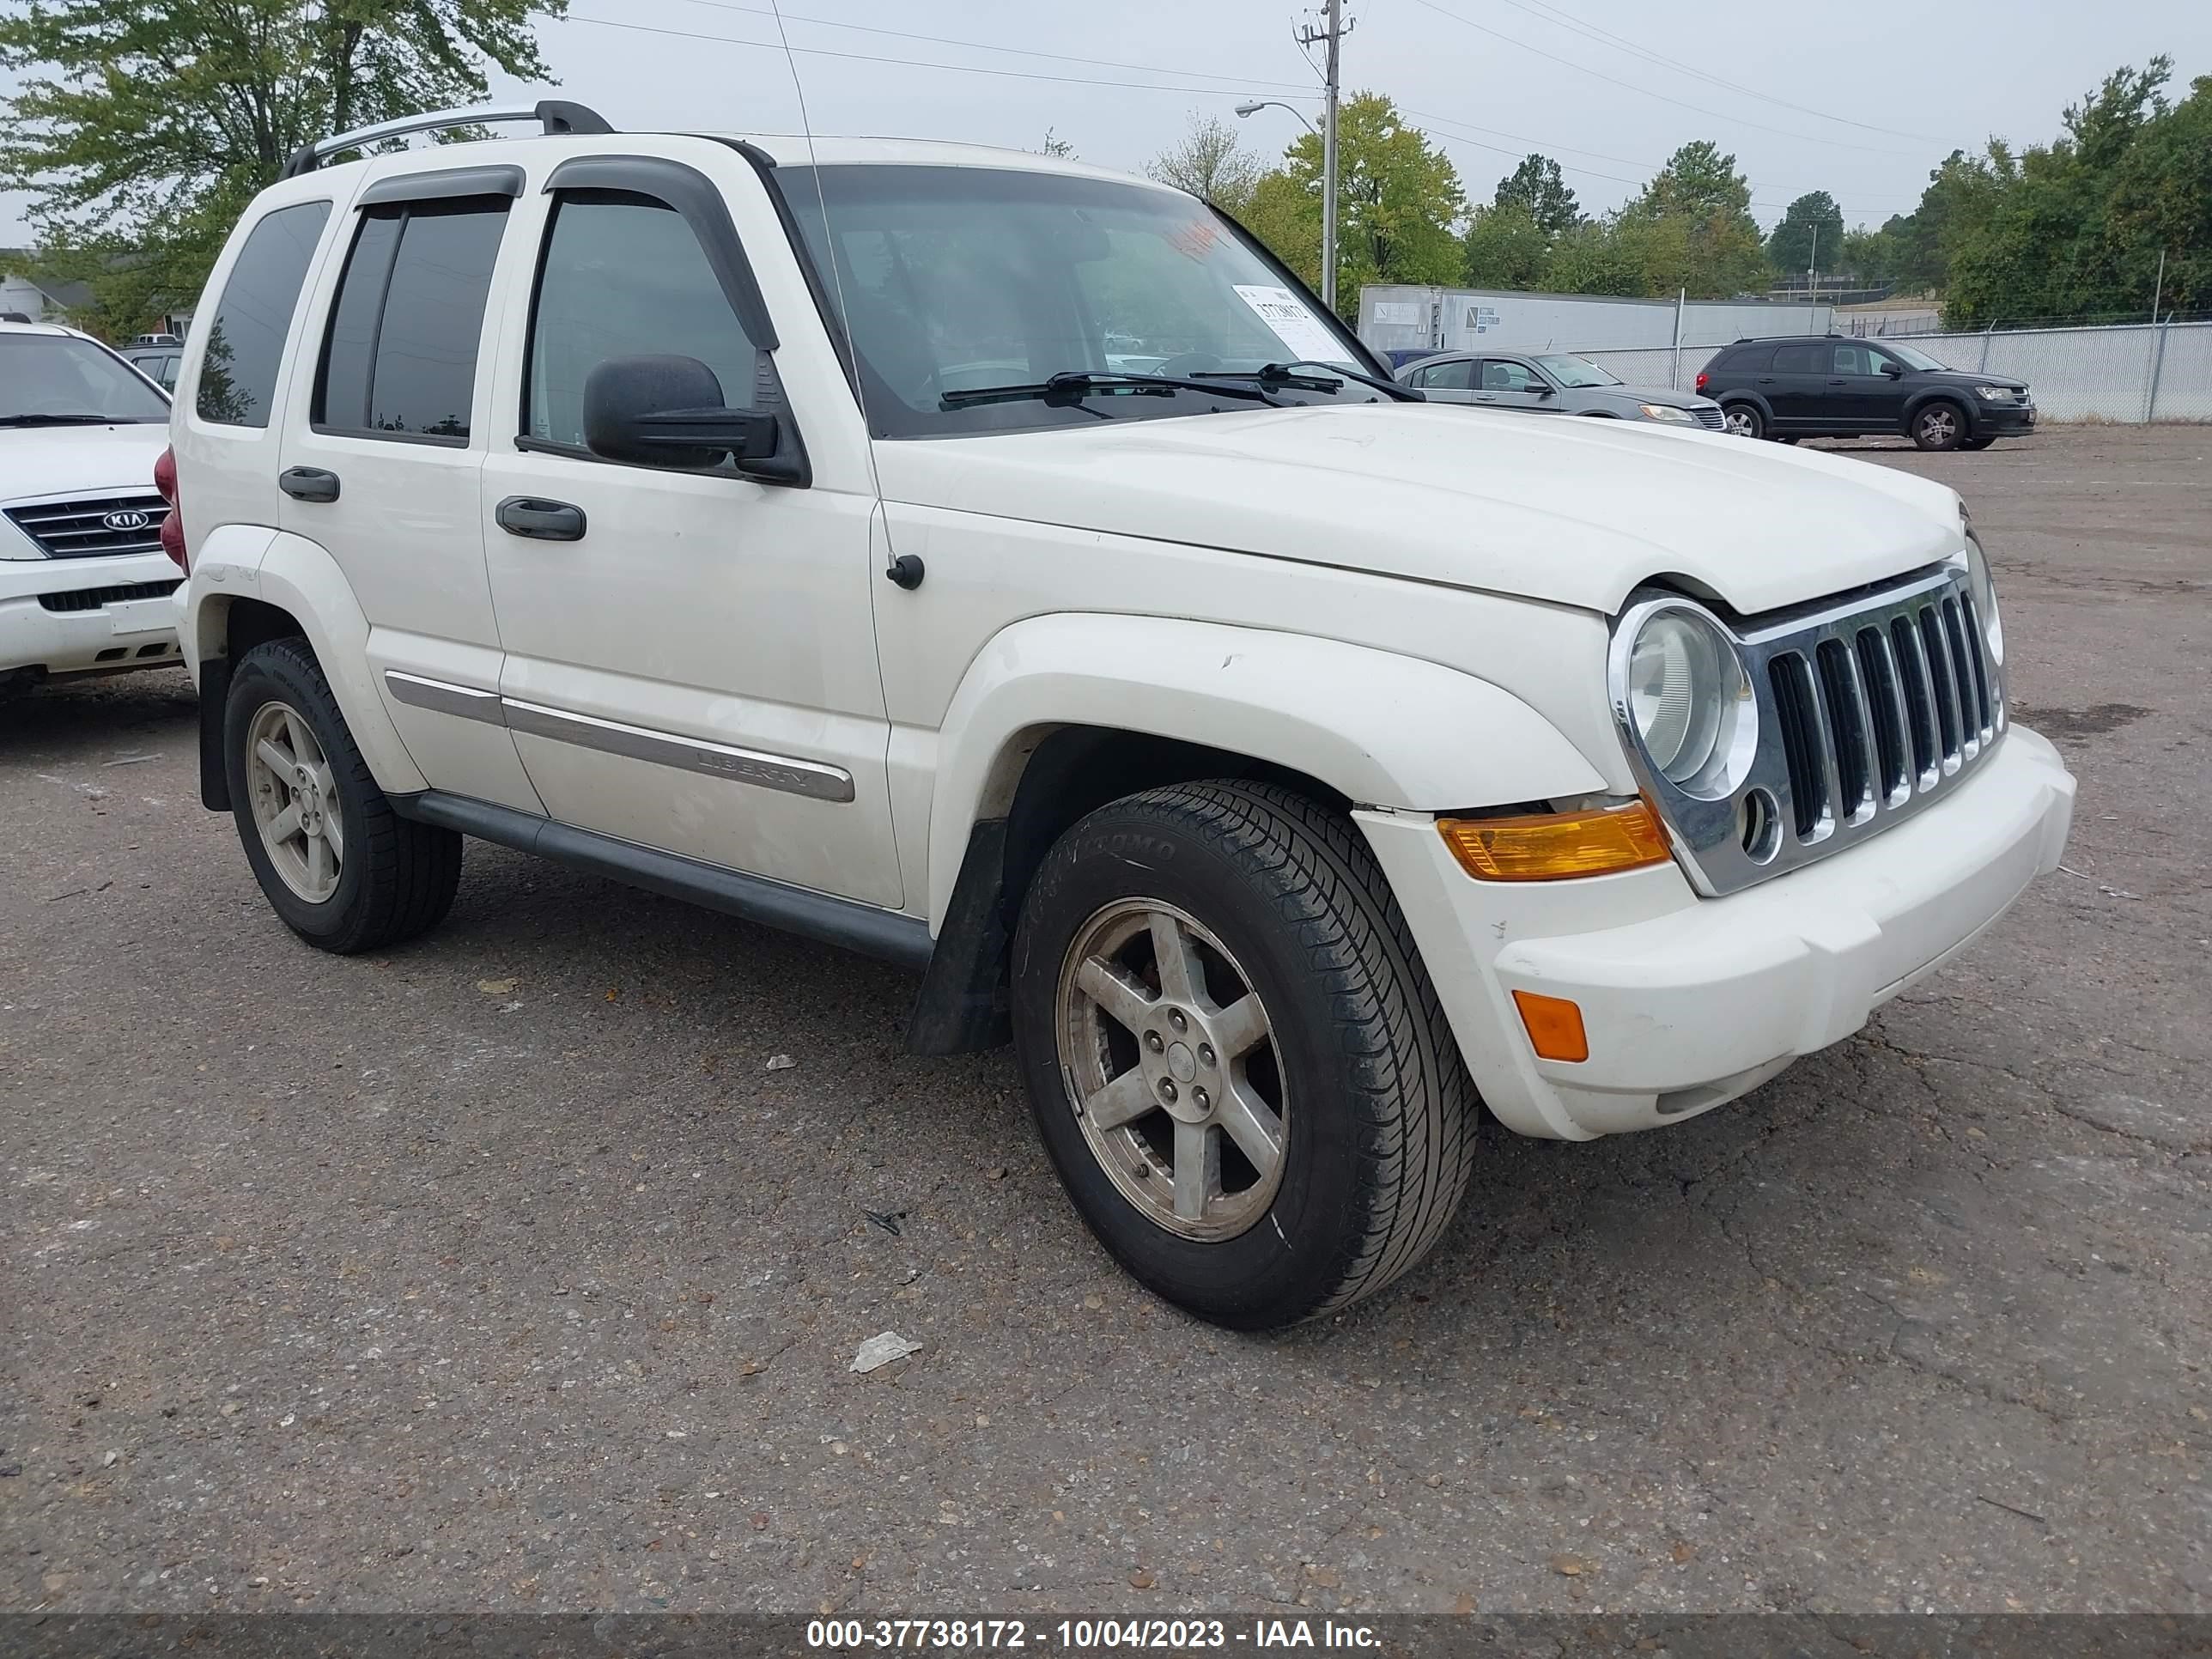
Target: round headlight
1688, 700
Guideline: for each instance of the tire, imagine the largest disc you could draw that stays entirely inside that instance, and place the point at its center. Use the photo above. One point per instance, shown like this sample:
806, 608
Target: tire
1744, 420
388, 878
1977, 443
1291, 918
1939, 424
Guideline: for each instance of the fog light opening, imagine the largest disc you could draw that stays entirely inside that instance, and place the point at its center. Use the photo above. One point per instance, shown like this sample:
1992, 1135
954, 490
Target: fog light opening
1759, 822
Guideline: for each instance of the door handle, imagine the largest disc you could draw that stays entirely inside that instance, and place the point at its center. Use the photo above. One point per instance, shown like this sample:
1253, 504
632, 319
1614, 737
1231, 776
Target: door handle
1767, 379
308, 483
1839, 383
540, 521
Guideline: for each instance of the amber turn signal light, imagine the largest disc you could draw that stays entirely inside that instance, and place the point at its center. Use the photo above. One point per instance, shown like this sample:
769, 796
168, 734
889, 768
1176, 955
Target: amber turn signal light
1555, 1026
1555, 846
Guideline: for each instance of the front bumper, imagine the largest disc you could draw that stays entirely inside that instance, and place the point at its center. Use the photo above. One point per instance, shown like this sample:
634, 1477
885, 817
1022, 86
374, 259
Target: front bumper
87, 616
1688, 1002
1996, 420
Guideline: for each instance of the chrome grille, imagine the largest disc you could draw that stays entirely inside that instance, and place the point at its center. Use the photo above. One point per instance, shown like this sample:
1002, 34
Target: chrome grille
1711, 419
83, 530
1867, 710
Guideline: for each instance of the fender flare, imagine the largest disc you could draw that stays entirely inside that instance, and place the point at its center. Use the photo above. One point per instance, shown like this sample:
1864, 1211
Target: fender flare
300, 577
1765, 409
1381, 729
1950, 395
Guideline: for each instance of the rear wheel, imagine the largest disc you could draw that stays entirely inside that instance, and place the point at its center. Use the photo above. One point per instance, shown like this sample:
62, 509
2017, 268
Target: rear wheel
1234, 1055
1744, 420
1939, 425
345, 872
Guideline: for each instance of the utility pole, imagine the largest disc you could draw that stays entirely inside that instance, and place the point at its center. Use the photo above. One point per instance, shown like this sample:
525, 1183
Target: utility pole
1813, 265
1331, 37
2158, 288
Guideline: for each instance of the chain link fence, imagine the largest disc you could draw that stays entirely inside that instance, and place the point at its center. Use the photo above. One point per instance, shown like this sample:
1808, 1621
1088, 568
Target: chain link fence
2128, 374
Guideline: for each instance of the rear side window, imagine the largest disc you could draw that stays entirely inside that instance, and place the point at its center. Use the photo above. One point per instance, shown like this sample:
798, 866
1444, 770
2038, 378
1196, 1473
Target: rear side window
1446, 377
1799, 360
399, 359
623, 276
245, 342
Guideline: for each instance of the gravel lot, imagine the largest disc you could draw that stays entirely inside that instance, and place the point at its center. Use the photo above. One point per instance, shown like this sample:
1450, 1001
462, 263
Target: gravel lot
503, 1272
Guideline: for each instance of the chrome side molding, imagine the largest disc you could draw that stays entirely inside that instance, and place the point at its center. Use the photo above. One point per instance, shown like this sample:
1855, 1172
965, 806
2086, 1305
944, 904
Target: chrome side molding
789, 775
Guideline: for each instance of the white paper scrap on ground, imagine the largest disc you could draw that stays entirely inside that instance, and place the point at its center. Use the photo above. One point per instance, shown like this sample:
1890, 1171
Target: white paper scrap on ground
879, 1350
1294, 322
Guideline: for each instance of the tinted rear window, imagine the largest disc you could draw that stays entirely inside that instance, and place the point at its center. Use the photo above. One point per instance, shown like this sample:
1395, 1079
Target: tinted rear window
401, 357
1799, 360
245, 342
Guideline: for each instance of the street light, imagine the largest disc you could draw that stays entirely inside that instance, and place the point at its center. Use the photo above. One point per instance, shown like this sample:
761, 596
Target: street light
1328, 191
1257, 105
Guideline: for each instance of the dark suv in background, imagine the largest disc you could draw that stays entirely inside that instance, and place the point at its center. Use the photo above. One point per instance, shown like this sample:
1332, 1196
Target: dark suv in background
1825, 386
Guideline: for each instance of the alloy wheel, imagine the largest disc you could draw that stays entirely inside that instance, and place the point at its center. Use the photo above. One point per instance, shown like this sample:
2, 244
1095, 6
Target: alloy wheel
295, 802
1170, 1062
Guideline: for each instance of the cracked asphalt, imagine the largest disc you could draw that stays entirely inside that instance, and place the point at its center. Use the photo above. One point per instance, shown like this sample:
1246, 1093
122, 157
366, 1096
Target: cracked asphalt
502, 1271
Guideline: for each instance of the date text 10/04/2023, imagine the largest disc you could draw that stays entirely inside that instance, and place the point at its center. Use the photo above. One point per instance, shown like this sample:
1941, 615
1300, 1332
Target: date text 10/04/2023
1087, 1635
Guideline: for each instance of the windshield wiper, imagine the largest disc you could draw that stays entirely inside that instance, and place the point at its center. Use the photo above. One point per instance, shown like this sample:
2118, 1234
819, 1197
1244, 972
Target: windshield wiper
1072, 386
65, 420
1287, 374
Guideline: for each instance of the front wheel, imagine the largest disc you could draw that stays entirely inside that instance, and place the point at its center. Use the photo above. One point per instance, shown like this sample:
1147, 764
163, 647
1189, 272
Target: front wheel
1234, 1054
1744, 420
1939, 426
343, 870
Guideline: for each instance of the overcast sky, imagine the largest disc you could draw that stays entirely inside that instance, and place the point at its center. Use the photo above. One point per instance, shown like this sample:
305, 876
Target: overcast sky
1584, 80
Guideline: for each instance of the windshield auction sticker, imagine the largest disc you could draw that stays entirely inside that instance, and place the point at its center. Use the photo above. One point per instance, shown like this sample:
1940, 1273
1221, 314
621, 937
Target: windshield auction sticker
1293, 321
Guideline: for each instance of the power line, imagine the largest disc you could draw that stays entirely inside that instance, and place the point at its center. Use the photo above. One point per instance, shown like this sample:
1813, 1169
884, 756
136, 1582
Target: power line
982, 45
1546, 13
908, 63
1468, 22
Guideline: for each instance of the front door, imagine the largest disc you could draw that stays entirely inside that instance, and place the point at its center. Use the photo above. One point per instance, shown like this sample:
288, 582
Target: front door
691, 655
1510, 383
1866, 398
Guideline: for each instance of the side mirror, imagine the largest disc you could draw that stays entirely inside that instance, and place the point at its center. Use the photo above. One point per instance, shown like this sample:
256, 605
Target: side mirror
1894, 369
668, 412
1542, 388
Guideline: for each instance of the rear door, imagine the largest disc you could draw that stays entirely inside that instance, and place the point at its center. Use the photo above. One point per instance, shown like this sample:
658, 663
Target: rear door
1513, 383
1450, 382
383, 462
1796, 387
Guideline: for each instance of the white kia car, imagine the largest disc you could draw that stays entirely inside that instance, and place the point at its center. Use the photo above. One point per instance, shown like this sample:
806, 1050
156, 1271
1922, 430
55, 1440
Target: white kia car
84, 582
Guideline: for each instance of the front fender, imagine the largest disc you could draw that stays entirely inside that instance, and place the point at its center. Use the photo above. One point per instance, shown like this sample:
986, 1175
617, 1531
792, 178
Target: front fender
1381, 729
299, 577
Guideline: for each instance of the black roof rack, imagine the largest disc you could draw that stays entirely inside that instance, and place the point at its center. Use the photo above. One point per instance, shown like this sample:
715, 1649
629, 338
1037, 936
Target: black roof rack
554, 115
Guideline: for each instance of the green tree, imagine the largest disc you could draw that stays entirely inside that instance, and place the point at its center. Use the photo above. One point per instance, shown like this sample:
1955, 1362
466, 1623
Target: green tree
1537, 188
1960, 196
1690, 228
1399, 204
1867, 256
1602, 257
2079, 227
1812, 229
142, 128
1507, 248
1210, 163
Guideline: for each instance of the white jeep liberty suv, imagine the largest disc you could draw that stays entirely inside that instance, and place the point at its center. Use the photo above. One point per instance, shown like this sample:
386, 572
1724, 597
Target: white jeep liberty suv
1285, 766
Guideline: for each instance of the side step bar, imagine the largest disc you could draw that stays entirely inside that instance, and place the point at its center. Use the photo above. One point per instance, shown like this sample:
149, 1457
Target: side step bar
901, 940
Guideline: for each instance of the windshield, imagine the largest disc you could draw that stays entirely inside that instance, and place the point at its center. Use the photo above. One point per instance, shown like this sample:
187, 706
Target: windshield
60, 378
956, 279
1576, 371
1911, 359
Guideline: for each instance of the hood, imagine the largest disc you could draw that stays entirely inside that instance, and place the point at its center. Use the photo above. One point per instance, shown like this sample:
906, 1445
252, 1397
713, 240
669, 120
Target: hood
1575, 512
79, 460
1665, 396
1966, 377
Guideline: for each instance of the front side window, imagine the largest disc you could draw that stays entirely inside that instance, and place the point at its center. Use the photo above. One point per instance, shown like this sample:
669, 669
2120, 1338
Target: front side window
951, 280
1504, 374
57, 379
623, 276
253, 319
1859, 360
400, 357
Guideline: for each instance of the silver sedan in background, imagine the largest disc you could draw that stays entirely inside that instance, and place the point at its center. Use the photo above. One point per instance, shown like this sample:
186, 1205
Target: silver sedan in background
1553, 383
